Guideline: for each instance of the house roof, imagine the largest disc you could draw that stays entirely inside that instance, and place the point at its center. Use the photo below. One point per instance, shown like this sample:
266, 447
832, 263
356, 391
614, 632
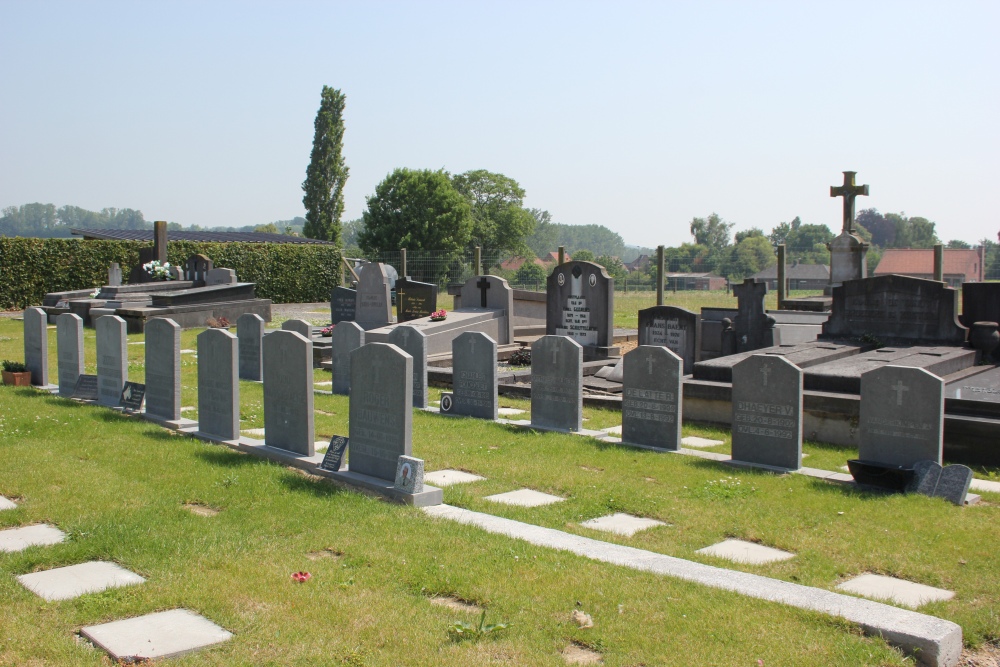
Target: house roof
796, 272
205, 237
692, 275
920, 262
515, 263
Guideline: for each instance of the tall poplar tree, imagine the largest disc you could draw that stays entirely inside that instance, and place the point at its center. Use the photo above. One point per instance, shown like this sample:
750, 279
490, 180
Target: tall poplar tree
326, 173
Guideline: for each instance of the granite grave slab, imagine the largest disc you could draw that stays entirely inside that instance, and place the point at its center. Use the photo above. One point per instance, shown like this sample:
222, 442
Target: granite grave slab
413, 341
474, 376
342, 304
491, 293
161, 635
767, 412
69, 340
581, 304
381, 409
671, 327
300, 327
218, 385
163, 369
622, 524
556, 383
752, 326
414, 299
250, 332
373, 305
347, 337
651, 398
36, 345
288, 393
898, 591
902, 416
524, 498
741, 551
66, 583
40, 535
112, 359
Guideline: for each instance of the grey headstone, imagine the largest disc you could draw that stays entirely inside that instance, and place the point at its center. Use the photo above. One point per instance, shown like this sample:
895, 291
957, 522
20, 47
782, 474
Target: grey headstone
218, 384
557, 383
373, 307
413, 341
926, 475
298, 326
114, 275
196, 269
410, 474
250, 331
163, 368
902, 416
651, 414
112, 359
346, 338
36, 345
673, 328
342, 304
381, 409
496, 294
220, 277
288, 393
69, 338
953, 485
415, 300
752, 326
474, 375
767, 412
580, 303
847, 258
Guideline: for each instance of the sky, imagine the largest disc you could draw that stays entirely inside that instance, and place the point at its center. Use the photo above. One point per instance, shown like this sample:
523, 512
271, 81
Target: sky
634, 115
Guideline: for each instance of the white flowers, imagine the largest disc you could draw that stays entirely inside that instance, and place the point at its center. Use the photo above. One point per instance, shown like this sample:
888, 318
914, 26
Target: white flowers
158, 271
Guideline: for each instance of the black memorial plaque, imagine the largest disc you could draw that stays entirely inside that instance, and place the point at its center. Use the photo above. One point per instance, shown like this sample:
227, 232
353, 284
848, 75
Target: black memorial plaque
342, 304
133, 395
414, 299
334, 458
86, 388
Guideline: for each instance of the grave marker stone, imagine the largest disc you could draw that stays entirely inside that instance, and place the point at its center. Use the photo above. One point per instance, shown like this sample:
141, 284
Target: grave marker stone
298, 326
373, 306
114, 275
112, 359
651, 398
250, 332
414, 299
902, 416
133, 395
333, 460
948, 482
557, 383
69, 340
163, 369
767, 412
36, 345
410, 474
493, 293
342, 304
86, 388
580, 303
288, 393
346, 338
474, 375
381, 409
752, 326
413, 341
196, 269
673, 328
218, 385
220, 277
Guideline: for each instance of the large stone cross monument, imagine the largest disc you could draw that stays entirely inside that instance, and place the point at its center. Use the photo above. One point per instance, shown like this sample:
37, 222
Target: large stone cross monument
848, 250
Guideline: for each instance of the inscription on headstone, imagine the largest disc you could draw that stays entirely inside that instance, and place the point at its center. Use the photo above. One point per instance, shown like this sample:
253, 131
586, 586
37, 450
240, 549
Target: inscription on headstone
373, 306
381, 409
112, 359
218, 384
36, 345
250, 331
902, 416
86, 388
69, 338
767, 412
415, 300
288, 393
580, 303
342, 304
948, 482
413, 341
557, 383
163, 369
651, 397
347, 337
474, 375
673, 328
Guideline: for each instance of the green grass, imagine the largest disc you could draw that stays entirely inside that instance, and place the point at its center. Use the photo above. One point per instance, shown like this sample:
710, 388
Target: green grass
117, 486
628, 304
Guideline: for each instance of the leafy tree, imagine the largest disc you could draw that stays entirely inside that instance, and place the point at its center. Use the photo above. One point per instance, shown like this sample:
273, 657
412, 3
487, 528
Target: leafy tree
35, 219
712, 231
751, 255
780, 233
417, 210
688, 258
499, 220
614, 266
596, 238
883, 231
545, 238
753, 231
269, 228
327, 172
530, 274
350, 231
583, 256
960, 245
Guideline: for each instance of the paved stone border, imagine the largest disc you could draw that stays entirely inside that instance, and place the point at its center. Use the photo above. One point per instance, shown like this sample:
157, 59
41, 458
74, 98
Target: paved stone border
932, 641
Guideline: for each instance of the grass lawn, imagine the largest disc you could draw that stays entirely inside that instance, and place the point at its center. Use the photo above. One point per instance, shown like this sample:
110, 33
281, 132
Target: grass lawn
118, 486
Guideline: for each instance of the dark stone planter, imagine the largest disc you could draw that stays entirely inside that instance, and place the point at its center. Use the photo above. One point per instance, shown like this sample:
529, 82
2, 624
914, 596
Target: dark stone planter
880, 475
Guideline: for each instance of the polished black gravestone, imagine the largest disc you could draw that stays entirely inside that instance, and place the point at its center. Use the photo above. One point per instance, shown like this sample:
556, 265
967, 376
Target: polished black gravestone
343, 301
673, 328
414, 300
753, 328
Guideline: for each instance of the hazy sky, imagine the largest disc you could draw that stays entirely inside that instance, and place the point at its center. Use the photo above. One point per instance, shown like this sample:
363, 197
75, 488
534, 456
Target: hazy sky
637, 116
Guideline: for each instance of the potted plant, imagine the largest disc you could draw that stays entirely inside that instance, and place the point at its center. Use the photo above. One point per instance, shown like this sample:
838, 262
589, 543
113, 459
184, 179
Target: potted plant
16, 373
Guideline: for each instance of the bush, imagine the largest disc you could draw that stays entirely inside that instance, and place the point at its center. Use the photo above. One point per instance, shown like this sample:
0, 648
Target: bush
13, 366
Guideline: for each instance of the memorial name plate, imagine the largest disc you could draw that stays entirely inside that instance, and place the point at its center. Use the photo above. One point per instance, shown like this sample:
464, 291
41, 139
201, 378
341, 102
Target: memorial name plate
415, 300
133, 394
342, 304
334, 459
86, 388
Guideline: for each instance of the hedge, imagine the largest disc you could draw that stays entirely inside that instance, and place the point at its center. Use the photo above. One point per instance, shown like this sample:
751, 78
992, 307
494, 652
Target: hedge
284, 272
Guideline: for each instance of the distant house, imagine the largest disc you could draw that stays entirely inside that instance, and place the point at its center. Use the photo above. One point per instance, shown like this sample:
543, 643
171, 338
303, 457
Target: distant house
203, 237
799, 276
960, 265
515, 263
694, 281
638, 264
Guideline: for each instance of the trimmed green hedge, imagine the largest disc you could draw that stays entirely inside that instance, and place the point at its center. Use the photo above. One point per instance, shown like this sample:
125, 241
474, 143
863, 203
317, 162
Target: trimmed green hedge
284, 272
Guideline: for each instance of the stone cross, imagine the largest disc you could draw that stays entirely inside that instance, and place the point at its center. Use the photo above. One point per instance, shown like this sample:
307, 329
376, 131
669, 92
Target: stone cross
899, 388
764, 372
849, 191
483, 285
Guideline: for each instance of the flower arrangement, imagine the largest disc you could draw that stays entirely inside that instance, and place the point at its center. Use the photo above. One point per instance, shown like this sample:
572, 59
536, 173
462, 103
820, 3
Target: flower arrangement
93, 295
327, 331
218, 323
301, 577
158, 271
439, 315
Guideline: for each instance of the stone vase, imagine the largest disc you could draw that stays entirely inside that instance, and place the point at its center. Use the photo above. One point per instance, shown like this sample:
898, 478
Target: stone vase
984, 337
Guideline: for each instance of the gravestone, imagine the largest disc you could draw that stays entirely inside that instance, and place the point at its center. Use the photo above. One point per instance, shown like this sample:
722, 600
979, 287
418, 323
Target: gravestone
196, 269
413, 341
114, 275
163, 369
69, 339
346, 338
410, 474
474, 375
896, 310
342, 304
414, 299
112, 359
218, 385
651, 397
333, 460
673, 328
132, 397
902, 416
288, 393
373, 305
381, 409
220, 277
557, 383
752, 326
493, 293
86, 388
767, 412
848, 250
300, 327
580, 303
250, 332
948, 482
36, 345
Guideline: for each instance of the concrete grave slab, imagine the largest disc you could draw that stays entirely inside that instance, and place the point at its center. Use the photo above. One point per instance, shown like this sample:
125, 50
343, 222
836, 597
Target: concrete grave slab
19, 539
441, 478
65, 583
695, 441
745, 552
614, 430
898, 591
510, 412
253, 431
160, 635
985, 485
6, 504
525, 498
622, 524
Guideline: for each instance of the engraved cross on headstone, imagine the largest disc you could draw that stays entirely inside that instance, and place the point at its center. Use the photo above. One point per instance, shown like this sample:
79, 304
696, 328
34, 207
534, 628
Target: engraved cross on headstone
377, 369
472, 345
849, 191
899, 388
555, 354
483, 284
764, 372
405, 333
649, 361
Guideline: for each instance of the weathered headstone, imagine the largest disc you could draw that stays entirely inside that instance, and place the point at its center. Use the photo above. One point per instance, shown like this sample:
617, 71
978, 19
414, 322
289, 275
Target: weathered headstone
848, 250
288, 393
557, 383
493, 293
474, 375
36, 345
196, 269
346, 338
752, 326
163, 369
767, 412
651, 397
414, 299
413, 341
112, 359
673, 328
69, 339
342, 304
580, 303
300, 327
220, 277
114, 275
218, 385
373, 307
250, 331
381, 409
902, 416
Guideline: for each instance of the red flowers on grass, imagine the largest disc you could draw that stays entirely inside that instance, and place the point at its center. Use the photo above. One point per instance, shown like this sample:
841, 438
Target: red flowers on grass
301, 577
